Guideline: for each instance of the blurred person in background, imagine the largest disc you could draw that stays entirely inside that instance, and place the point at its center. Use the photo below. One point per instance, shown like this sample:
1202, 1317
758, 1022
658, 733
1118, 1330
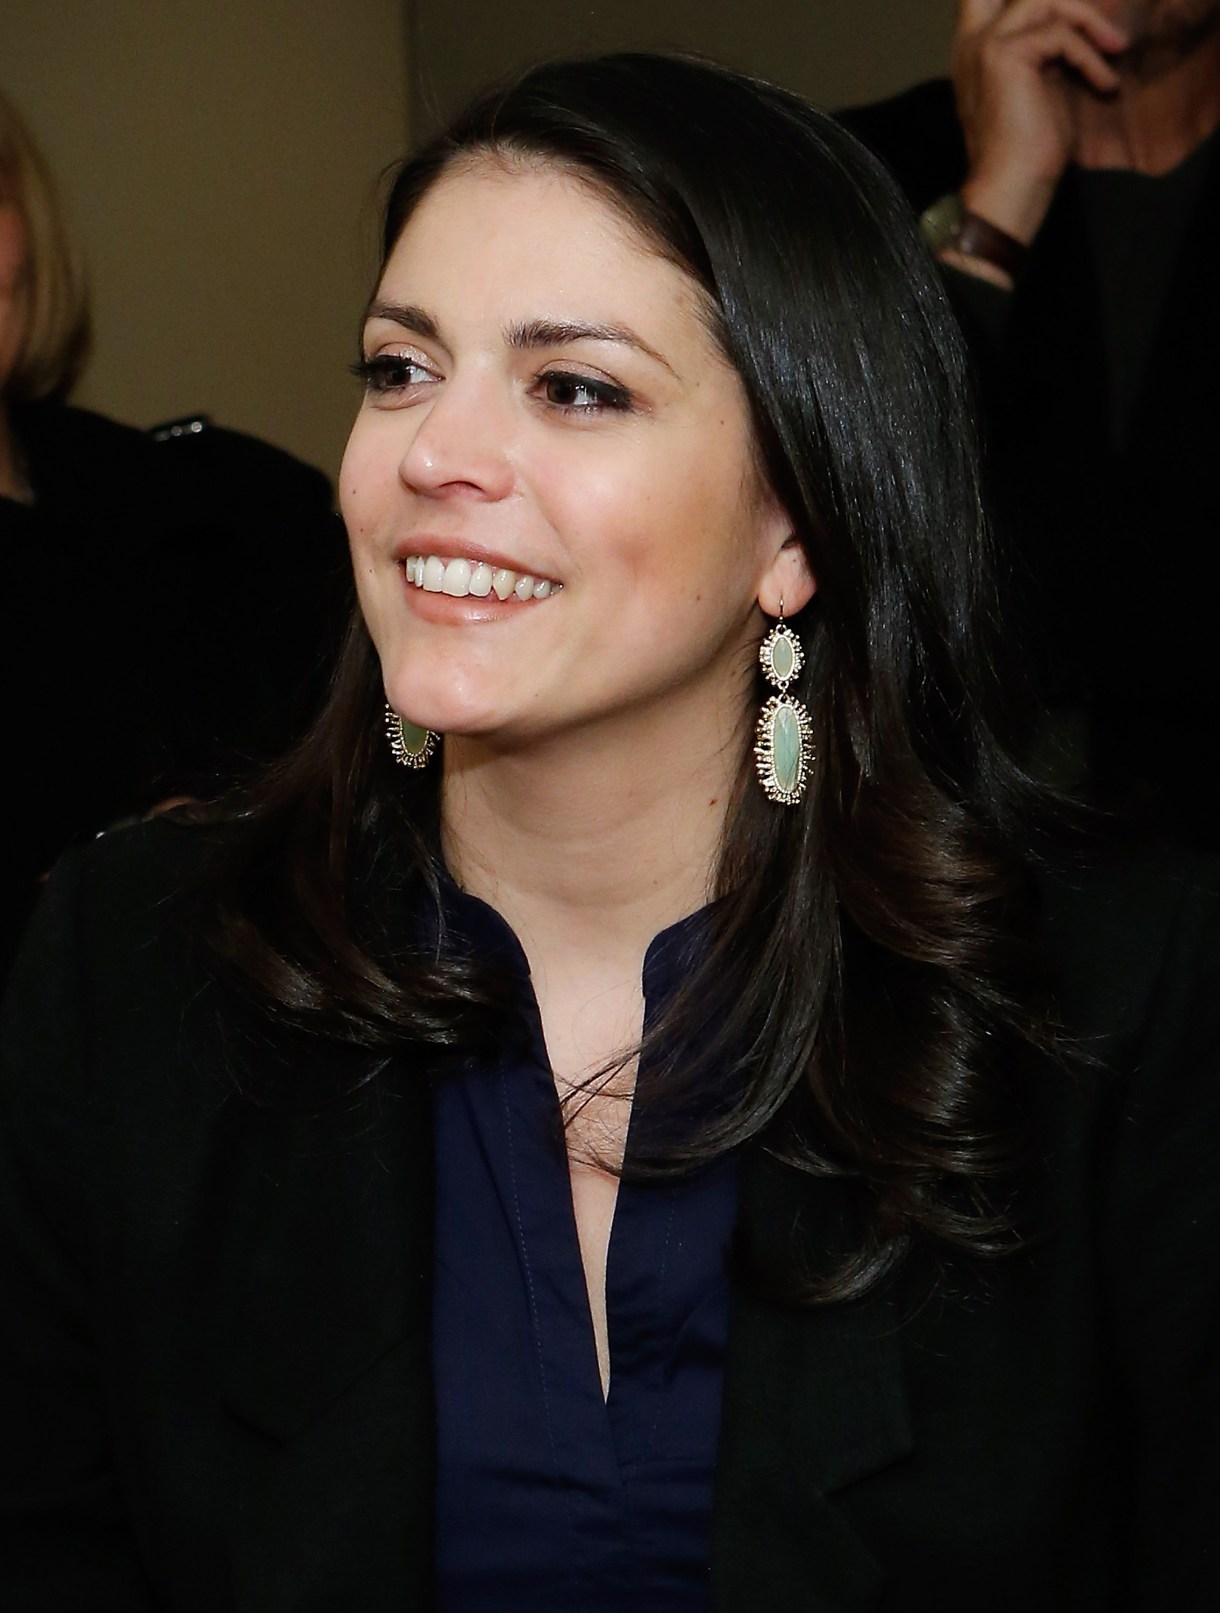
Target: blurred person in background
170, 598
1069, 181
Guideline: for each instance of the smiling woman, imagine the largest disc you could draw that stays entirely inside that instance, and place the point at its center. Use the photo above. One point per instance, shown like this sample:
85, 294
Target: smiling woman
546, 404
639, 1153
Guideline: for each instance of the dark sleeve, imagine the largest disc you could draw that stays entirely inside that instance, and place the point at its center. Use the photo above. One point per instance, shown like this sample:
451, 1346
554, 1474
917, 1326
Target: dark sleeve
982, 311
65, 1542
1162, 1275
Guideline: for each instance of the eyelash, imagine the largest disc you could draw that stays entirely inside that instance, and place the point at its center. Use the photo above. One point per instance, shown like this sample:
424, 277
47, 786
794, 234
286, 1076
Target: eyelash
605, 395
378, 374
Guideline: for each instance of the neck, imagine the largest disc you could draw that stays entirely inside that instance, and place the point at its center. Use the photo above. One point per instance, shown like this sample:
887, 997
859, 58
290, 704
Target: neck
593, 842
1167, 104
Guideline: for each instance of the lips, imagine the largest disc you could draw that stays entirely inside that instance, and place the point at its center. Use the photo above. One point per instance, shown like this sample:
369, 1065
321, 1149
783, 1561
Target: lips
461, 578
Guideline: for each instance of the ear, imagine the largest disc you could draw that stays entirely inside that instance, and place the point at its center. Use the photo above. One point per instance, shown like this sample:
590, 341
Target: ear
788, 582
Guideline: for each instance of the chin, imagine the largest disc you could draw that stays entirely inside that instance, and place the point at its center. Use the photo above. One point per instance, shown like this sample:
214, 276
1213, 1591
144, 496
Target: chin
445, 711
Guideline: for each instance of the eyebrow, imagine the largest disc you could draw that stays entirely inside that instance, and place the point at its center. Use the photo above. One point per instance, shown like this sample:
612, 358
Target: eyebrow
527, 334
407, 315
559, 332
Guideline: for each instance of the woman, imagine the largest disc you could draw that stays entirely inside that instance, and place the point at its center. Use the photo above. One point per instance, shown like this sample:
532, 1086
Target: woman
133, 668
848, 1279
44, 311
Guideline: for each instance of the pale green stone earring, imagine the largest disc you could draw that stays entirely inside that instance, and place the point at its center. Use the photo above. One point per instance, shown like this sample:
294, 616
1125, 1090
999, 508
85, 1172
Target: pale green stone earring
412, 746
783, 740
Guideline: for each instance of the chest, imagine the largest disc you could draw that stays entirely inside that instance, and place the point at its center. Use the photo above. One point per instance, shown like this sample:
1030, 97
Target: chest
567, 1409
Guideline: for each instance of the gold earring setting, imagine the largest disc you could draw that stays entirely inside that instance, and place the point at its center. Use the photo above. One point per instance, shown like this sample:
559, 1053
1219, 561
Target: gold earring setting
411, 745
783, 741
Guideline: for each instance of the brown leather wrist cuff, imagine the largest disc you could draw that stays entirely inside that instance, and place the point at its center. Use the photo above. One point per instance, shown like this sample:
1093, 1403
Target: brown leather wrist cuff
975, 237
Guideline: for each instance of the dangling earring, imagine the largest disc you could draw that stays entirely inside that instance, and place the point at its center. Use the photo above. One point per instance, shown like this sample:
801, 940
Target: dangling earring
412, 746
783, 740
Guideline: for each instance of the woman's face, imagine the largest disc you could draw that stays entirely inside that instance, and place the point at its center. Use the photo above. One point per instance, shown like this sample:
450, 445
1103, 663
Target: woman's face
12, 286
548, 419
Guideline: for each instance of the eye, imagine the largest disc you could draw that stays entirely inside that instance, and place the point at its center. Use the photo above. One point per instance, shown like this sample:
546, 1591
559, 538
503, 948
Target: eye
581, 394
387, 373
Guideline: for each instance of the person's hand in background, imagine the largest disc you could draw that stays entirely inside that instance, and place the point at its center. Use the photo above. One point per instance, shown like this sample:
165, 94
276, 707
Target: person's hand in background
1017, 67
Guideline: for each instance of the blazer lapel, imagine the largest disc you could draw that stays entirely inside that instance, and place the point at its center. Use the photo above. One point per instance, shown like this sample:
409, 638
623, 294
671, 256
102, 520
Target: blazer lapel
339, 1271
327, 1387
815, 1401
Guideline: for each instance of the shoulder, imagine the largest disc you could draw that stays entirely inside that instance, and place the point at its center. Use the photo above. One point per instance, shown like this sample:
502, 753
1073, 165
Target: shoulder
127, 878
119, 986
109, 1043
110, 937
918, 137
237, 501
57, 435
234, 466
1132, 939
183, 472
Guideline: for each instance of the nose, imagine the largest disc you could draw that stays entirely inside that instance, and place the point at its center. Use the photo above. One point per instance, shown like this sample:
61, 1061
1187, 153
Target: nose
462, 442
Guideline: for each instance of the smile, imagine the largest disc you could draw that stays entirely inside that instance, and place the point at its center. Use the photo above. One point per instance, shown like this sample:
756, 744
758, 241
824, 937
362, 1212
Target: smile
437, 575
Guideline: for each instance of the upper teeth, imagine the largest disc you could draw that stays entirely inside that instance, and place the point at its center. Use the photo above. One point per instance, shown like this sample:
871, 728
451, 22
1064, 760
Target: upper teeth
461, 577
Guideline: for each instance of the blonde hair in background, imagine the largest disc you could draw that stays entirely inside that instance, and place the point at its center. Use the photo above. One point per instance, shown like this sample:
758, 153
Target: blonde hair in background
55, 343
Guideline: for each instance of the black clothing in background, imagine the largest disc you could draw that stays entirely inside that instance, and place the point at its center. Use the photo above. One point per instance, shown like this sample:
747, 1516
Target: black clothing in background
1137, 226
1102, 436
171, 610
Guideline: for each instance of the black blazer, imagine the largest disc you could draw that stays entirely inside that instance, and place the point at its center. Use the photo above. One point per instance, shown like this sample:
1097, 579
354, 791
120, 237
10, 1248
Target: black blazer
214, 1333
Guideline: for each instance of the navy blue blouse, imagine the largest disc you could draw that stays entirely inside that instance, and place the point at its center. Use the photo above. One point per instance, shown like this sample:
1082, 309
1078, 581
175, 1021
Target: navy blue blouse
550, 1496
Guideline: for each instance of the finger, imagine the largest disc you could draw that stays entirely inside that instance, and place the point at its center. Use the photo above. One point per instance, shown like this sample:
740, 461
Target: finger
1059, 43
1079, 14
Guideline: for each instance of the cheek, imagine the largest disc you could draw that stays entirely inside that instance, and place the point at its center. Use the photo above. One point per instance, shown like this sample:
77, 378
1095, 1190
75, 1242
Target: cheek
664, 518
376, 599
707, 533
365, 476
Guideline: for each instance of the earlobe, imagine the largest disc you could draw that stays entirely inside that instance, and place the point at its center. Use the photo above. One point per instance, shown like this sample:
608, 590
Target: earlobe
788, 581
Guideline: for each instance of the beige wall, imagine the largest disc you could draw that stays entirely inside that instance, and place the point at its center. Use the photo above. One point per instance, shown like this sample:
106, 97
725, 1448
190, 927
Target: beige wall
836, 52
219, 158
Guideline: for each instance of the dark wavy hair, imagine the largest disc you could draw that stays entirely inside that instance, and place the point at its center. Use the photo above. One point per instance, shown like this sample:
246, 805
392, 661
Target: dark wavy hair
874, 1002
